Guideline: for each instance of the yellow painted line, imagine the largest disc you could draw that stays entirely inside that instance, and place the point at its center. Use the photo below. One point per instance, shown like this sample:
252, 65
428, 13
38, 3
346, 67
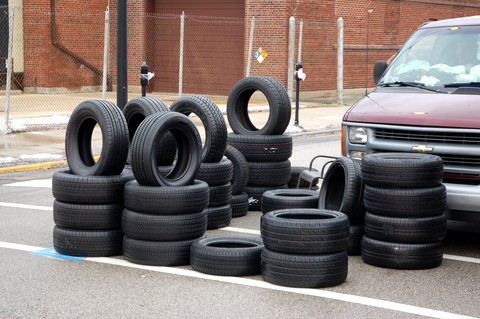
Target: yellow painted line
31, 167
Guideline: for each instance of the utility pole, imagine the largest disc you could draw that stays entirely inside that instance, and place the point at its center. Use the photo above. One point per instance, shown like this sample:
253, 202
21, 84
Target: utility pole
122, 80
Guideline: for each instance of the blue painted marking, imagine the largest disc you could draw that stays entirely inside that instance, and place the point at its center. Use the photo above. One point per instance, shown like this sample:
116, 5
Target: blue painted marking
50, 252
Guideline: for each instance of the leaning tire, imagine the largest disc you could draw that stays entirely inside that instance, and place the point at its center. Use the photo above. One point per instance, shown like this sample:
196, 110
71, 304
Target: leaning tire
145, 152
212, 120
305, 231
226, 256
304, 271
263, 148
288, 198
239, 179
278, 102
78, 139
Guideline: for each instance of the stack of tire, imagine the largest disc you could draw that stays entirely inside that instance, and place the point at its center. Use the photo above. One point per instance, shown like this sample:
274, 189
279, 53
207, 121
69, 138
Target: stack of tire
406, 219
215, 169
239, 181
266, 149
164, 205
342, 190
89, 201
305, 248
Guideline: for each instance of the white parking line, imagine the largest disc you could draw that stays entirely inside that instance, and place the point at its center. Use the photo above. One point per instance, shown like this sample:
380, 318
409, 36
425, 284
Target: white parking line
372, 302
14, 205
41, 183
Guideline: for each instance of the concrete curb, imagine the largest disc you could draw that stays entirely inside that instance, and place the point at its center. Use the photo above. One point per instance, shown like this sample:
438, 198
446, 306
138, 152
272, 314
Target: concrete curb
31, 167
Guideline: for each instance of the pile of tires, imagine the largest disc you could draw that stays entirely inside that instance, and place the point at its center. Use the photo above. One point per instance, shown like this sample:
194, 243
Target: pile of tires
215, 169
342, 190
266, 149
305, 248
165, 205
89, 201
406, 218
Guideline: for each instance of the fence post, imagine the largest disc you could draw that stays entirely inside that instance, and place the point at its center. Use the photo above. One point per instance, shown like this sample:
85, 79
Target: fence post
11, 21
300, 39
291, 55
340, 62
106, 38
250, 47
180, 63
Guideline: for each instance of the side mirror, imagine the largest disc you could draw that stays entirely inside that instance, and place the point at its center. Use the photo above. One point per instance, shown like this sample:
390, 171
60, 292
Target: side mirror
378, 70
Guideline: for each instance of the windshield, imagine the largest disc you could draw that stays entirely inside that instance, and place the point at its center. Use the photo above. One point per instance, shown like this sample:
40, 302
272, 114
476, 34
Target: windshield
438, 57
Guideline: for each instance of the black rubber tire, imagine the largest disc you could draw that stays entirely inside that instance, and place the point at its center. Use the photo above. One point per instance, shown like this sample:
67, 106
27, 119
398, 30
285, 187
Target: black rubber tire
157, 253
406, 202
268, 173
255, 194
78, 139
173, 200
218, 217
239, 179
288, 198
164, 227
278, 102
87, 243
400, 255
135, 111
212, 119
239, 205
342, 189
87, 217
295, 175
402, 170
220, 195
217, 173
305, 231
304, 271
406, 230
355, 240
75, 189
263, 148
145, 150
226, 256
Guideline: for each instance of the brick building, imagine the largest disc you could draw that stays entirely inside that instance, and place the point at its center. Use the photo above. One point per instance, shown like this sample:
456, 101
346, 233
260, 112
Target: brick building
66, 50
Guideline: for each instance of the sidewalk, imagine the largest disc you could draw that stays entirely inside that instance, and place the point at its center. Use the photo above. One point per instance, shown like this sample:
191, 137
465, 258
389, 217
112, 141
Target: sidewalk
46, 149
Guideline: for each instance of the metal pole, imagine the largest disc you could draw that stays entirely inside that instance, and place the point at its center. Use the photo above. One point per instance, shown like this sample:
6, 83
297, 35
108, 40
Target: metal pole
300, 37
366, 61
250, 47
340, 62
298, 66
11, 21
122, 79
291, 56
180, 63
105, 53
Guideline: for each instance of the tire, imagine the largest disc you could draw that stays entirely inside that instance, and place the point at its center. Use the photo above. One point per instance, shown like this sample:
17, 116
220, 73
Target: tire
87, 217
305, 231
212, 120
239, 179
342, 189
255, 194
215, 174
288, 198
304, 271
406, 230
78, 139
263, 148
268, 173
218, 217
402, 170
355, 240
173, 200
89, 190
87, 243
239, 205
406, 202
278, 102
164, 227
295, 175
401, 256
220, 195
226, 256
145, 152
135, 111
157, 253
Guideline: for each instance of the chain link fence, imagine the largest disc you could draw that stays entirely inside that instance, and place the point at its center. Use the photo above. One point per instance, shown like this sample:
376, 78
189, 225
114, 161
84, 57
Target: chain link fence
64, 56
